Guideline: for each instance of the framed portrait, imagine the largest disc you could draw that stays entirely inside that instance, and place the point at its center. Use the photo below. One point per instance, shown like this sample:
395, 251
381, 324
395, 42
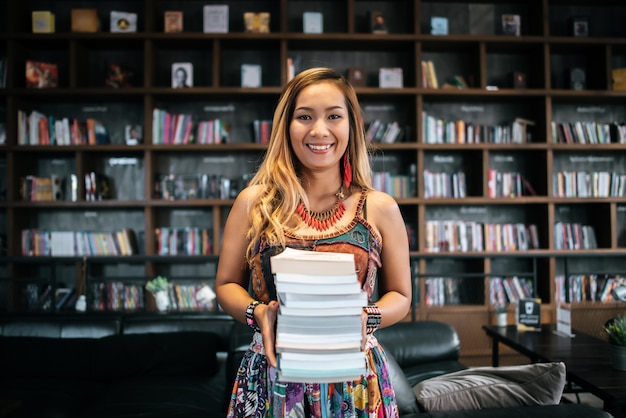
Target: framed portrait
579, 26
133, 134
511, 25
182, 75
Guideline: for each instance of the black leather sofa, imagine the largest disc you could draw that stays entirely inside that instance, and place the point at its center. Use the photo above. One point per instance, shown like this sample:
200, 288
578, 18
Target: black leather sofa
183, 365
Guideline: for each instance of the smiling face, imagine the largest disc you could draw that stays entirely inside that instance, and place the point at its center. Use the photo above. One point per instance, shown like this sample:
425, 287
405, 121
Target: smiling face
320, 127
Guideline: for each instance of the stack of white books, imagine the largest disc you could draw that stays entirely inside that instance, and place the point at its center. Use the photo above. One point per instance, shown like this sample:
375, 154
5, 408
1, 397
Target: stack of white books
318, 332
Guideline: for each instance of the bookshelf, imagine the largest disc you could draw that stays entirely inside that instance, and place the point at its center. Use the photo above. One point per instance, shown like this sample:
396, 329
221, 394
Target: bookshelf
475, 49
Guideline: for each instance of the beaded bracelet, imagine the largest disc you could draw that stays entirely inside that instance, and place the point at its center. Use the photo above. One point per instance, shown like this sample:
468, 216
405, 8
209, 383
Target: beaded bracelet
373, 318
250, 315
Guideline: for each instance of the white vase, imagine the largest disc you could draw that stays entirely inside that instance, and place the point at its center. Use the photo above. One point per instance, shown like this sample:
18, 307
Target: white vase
501, 319
162, 301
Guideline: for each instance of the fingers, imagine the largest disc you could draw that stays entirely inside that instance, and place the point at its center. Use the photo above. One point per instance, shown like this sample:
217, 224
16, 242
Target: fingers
268, 331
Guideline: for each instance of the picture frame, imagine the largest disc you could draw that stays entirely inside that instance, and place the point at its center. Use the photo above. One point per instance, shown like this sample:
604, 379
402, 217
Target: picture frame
250, 75
579, 26
41, 74
378, 22
182, 75
312, 22
215, 18
173, 21
438, 25
133, 134
257, 22
123, 22
519, 80
511, 25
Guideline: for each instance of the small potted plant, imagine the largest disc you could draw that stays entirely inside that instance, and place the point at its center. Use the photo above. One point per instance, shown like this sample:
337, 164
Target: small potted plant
158, 287
501, 314
616, 330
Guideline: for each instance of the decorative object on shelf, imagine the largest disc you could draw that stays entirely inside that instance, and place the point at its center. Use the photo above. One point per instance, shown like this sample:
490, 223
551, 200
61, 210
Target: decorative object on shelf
133, 134
215, 18
123, 21
173, 21
519, 80
312, 22
258, 22
85, 20
41, 74
117, 76
182, 75
511, 25
158, 287
616, 330
438, 25
357, 76
250, 75
378, 22
43, 21
390, 78
577, 78
81, 304
579, 26
618, 76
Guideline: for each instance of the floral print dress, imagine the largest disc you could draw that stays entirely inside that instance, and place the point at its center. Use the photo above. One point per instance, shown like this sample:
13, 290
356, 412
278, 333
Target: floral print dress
257, 392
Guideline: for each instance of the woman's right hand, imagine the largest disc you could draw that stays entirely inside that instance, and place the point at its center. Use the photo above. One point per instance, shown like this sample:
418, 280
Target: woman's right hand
265, 317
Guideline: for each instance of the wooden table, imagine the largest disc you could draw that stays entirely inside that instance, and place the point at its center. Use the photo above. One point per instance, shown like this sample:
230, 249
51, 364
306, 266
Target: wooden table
586, 359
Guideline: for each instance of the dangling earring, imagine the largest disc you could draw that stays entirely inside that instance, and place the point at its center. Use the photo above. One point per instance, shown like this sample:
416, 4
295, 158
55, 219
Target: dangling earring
347, 170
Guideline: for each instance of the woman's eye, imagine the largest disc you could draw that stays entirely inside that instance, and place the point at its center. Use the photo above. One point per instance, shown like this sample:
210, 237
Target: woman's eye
334, 117
303, 117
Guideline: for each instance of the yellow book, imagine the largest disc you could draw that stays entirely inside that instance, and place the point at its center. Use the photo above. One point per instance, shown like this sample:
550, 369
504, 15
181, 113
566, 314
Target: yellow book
43, 21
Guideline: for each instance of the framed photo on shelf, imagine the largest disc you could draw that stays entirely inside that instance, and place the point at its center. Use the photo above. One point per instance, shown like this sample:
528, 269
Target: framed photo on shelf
511, 25
41, 74
133, 134
182, 75
438, 25
257, 22
312, 22
378, 22
579, 26
215, 18
123, 22
173, 21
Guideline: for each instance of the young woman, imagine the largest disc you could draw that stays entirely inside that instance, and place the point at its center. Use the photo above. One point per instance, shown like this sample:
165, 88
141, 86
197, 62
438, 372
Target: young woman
313, 191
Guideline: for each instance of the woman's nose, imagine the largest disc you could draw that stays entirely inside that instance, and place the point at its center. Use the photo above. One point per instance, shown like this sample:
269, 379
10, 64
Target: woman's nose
319, 128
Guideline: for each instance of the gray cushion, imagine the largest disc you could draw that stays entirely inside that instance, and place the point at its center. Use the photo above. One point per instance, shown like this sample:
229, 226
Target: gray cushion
493, 387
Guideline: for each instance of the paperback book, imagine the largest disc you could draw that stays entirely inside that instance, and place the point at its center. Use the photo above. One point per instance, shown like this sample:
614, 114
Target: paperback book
319, 329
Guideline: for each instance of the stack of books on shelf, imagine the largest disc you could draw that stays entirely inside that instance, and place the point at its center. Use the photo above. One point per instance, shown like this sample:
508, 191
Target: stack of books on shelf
38, 242
588, 132
588, 287
39, 129
319, 330
180, 128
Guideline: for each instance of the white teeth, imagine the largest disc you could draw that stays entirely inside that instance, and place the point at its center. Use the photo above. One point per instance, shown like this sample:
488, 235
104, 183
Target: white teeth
319, 147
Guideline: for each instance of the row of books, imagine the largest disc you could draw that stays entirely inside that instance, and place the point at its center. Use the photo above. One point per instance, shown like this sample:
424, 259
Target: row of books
187, 297
379, 132
39, 242
464, 236
318, 331
180, 128
507, 184
510, 289
440, 291
261, 130
199, 186
588, 287
38, 129
397, 185
429, 75
440, 131
574, 236
588, 132
184, 241
444, 185
117, 296
36, 189
589, 184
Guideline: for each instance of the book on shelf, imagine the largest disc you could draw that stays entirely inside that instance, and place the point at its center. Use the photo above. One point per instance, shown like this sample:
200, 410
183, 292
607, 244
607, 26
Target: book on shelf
123, 22
438, 25
215, 18
317, 288
250, 75
43, 21
85, 20
312, 22
173, 21
258, 22
41, 74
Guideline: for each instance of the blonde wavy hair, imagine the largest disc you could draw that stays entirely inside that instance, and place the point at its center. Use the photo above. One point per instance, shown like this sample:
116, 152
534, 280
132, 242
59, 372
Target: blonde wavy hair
279, 185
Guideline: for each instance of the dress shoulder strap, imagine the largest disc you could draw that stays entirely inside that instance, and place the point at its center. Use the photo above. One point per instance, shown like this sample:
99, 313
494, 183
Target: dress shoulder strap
361, 209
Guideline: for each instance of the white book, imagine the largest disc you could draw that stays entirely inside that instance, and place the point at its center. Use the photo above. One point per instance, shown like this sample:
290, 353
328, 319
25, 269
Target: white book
303, 300
313, 262
215, 18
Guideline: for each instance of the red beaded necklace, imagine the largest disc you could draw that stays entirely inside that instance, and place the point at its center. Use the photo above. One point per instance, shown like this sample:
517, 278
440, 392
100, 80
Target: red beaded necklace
322, 221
